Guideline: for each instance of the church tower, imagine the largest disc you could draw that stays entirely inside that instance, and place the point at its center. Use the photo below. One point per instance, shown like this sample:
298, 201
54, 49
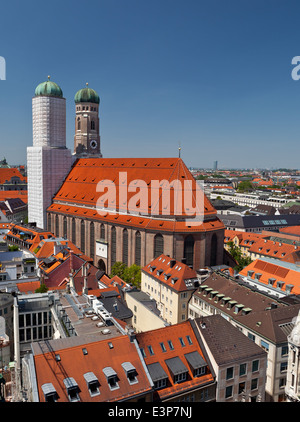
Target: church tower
48, 160
87, 125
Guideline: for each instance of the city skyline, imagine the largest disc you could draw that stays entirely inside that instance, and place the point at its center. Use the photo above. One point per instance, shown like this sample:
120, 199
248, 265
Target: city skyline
212, 77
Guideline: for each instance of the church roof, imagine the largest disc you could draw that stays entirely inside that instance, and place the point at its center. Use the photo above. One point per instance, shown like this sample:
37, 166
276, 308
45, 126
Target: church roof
80, 193
48, 89
86, 95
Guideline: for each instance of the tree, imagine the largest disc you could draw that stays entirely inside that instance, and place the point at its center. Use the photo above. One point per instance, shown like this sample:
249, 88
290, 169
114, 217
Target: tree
130, 274
236, 253
42, 289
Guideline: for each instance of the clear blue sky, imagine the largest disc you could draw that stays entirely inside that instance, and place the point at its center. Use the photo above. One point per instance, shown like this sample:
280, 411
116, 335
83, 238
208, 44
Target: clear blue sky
214, 75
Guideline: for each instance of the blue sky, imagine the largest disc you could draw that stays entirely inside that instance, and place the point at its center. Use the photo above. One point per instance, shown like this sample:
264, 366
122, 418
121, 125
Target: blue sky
214, 75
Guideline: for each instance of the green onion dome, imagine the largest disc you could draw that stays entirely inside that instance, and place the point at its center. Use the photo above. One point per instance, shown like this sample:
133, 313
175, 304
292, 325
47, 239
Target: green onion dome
86, 95
48, 89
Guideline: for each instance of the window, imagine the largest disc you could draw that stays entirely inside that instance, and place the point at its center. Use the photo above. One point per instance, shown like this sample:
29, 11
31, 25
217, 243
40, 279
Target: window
158, 245
65, 227
189, 250
92, 383
255, 365
243, 369
138, 248
182, 342
113, 245
78, 124
92, 240
102, 231
251, 336
170, 345
264, 345
73, 231
163, 347
92, 125
228, 392
82, 236
72, 389
254, 383
150, 350
130, 372
283, 366
125, 246
189, 340
160, 383
229, 373
180, 377
284, 351
242, 386
50, 393
111, 377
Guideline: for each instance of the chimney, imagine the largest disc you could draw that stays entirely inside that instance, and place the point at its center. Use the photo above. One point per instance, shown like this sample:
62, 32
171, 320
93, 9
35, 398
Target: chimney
172, 263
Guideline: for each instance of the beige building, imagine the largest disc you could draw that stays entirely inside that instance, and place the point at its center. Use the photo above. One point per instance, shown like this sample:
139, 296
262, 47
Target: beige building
146, 316
239, 364
171, 284
263, 319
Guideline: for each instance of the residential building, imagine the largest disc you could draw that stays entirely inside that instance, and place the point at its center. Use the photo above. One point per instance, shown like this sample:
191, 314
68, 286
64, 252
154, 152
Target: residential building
70, 370
178, 364
240, 365
274, 277
259, 223
171, 284
265, 319
293, 371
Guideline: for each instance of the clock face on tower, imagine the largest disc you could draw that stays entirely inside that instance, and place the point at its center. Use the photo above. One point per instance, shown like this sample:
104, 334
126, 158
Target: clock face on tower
93, 144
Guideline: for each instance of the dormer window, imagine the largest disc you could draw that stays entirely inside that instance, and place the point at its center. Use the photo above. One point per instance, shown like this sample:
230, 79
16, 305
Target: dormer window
50, 393
92, 383
111, 377
72, 389
130, 372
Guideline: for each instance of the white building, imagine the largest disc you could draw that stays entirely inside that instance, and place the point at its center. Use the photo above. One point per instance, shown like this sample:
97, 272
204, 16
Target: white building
48, 160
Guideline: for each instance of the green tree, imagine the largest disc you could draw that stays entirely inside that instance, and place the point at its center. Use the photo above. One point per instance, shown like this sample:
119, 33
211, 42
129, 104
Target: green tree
42, 289
246, 185
236, 253
130, 274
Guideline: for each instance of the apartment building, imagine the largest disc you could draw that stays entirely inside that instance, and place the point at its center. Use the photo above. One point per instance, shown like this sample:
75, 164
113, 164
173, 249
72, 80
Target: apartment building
171, 284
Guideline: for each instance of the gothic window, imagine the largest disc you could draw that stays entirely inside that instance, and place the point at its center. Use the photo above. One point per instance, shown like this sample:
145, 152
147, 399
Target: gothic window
189, 250
92, 125
213, 250
125, 246
82, 237
102, 231
113, 245
65, 227
78, 124
73, 231
56, 225
49, 222
158, 245
138, 248
92, 240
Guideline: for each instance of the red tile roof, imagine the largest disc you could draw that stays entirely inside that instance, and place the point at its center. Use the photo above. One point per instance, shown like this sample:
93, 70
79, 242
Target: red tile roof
112, 352
280, 273
273, 249
79, 190
7, 173
174, 333
160, 267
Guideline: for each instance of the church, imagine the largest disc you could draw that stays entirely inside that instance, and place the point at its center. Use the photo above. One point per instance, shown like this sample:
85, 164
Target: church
114, 209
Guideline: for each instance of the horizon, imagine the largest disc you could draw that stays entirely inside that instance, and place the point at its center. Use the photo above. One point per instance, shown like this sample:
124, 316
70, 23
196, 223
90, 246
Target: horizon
215, 78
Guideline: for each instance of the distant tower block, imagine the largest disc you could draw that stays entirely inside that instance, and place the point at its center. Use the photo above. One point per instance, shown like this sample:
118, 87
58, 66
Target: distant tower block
87, 125
48, 160
215, 165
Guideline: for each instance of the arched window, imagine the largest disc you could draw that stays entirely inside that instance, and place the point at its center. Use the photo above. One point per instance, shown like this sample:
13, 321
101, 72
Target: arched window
101, 265
125, 247
78, 124
56, 225
189, 250
65, 227
92, 240
213, 250
158, 245
82, 236
49, 222
113, 245
73, 231
92, 125
137, 248
102, 231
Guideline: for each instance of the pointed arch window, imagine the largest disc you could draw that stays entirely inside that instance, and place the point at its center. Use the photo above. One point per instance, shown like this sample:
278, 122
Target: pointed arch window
92, 240
158, 245
213, 250
56, 225
102, 231
189, 250
73, 231
78, 124
138, 248
113, 245
82, 236
65, 227
92, 125
125, 247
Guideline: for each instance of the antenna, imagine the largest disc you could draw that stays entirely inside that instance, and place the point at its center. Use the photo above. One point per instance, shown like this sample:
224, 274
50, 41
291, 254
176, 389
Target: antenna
179, 150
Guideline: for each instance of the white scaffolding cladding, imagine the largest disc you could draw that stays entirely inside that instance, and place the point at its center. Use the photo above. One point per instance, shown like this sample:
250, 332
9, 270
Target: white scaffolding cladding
48, 160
